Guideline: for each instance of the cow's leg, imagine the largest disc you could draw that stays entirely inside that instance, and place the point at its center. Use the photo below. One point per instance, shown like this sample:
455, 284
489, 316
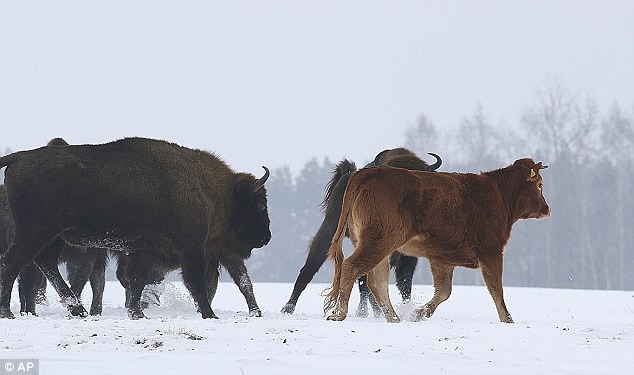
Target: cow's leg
29, 281
492, 272
442, 275
98, 281
240, 275
404, 267
194, 272
47, 260
369, 252
378, 281
346, 284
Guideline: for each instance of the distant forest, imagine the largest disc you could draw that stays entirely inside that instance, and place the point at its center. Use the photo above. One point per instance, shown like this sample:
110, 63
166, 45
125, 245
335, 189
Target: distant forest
587, 242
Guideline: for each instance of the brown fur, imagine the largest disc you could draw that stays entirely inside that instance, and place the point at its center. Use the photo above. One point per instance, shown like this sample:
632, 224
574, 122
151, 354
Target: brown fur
453, 219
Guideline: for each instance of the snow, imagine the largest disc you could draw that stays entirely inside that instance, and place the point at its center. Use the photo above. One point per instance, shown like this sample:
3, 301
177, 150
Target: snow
557, 331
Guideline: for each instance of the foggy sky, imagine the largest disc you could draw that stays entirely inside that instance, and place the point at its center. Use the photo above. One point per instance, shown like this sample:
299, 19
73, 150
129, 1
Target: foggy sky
279, 82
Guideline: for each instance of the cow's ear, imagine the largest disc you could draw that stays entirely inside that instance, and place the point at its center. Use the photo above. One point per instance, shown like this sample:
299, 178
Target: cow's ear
534, 171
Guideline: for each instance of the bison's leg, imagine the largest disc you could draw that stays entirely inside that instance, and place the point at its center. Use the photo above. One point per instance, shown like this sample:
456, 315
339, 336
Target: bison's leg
365, 297
195, 278
240, 276
47, 260
213, 274
442, 275
19, 255
135, 276
8, 273
404, 267
79, 266
98, 281
492, 273
378, 281
30, 281
317, 255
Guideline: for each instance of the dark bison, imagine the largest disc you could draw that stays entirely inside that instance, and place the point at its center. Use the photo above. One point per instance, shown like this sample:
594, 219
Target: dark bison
81, 265
163, 205
452, 219
404, 266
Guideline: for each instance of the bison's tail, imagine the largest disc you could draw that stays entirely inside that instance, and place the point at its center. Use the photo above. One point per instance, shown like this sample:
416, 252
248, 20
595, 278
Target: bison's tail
8, 159
335, 253
344, 168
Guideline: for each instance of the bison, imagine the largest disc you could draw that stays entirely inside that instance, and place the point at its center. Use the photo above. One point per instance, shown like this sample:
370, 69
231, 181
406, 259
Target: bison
81, 265
404, 266
452, 219
161, 204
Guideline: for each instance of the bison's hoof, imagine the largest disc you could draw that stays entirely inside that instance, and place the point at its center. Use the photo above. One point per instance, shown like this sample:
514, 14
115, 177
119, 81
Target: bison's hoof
289, 308
136, 314
27, 313
362, 312
6, 313
77, 310
255, 312
210, 316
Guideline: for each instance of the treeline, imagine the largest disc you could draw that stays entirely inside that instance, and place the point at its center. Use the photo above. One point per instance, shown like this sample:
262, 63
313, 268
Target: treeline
586, 243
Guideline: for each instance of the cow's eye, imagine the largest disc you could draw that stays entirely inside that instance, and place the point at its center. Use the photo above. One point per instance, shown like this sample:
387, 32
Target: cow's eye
540, 185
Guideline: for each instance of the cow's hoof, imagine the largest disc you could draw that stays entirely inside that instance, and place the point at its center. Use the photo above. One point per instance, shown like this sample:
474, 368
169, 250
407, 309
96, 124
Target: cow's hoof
335, 317
210, 316
421, 314
27, 313
77, 310
393, 319
6, 313
289, 308
255, 312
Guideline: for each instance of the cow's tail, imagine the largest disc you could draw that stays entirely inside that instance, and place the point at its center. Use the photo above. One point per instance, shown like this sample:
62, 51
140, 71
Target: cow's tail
335, 252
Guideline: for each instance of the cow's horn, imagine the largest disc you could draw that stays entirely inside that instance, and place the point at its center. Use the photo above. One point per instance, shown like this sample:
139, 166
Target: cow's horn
437, 164
259, 183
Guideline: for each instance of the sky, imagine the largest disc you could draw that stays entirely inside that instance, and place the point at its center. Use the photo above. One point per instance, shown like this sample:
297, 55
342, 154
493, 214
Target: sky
556, 332
280, 82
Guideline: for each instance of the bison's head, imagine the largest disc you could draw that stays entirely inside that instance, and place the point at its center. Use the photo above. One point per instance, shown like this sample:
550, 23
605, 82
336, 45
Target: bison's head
252, 217
530, 199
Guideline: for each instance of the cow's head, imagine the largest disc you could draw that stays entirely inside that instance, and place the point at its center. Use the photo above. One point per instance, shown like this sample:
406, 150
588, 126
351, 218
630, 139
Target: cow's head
252, 215
530, 199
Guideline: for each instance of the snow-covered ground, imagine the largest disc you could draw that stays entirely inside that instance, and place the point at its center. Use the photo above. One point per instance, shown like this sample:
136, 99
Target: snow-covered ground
556, 332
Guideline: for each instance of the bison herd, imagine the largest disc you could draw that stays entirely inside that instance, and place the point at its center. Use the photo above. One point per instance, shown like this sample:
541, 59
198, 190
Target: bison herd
154, 206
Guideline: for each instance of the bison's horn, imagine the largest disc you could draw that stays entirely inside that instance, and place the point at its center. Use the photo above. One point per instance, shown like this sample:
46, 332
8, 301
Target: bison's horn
437, 164
259, 183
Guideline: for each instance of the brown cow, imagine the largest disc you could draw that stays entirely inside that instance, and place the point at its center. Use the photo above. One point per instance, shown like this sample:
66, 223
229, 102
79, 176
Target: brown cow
452, 219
